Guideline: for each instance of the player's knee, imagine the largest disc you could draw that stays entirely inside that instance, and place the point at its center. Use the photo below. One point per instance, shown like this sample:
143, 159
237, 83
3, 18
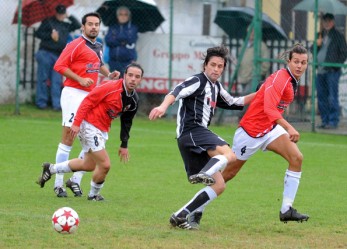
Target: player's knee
231, 157
296, 159
107, 167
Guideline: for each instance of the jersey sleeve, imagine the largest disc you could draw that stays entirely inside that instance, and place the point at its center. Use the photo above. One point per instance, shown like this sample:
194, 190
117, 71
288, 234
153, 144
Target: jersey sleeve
127, 120
64, 60
226, 101
89, 102
186, 88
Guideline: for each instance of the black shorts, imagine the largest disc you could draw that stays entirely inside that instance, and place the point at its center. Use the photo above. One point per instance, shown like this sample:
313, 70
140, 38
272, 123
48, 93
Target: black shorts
194, 145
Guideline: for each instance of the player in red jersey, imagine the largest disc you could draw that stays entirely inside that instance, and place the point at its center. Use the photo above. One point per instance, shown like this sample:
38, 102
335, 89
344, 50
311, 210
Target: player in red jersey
104, 103
263, 127
80, 62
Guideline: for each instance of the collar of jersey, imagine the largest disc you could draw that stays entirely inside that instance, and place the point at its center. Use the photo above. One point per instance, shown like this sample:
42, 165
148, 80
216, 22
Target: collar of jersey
85, 38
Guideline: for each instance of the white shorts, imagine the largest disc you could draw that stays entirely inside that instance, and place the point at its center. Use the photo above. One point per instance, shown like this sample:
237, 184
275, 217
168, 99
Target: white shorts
91, 138
70, 100
244, 146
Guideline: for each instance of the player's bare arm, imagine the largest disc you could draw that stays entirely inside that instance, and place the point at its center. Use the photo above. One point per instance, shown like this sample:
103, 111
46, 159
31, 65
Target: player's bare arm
249, 98
294, 135
111, 75
83, 81
159, 111
74, 130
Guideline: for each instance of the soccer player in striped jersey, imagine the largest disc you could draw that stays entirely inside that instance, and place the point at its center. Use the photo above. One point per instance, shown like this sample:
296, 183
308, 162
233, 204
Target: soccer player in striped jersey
204, 153
263, 127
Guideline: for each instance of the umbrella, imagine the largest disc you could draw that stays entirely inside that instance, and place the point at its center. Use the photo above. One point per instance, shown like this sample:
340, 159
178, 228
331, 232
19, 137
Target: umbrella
144, 13
326, 6
235, 21
34, 11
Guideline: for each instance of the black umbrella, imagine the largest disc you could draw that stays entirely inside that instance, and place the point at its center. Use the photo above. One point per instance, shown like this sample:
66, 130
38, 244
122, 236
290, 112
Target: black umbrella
144, 13
326, 6
235, 20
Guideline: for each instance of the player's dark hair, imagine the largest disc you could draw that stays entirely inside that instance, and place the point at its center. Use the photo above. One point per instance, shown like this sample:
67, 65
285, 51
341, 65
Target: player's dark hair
133, 64
220, 51
96, 14
298, 48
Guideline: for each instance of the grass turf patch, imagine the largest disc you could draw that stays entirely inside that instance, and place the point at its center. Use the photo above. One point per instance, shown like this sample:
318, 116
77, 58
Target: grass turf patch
141, 195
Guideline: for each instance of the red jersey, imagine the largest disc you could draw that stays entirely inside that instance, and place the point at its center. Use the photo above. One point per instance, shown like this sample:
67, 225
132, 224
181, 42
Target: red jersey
107, 102
270, 101
84, 58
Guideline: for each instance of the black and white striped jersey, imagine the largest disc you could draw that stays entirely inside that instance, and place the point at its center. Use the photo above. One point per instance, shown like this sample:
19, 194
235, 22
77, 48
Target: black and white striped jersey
198, 98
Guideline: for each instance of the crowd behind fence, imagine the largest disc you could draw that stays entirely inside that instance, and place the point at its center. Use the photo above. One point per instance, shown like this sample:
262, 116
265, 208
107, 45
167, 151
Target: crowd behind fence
300, 111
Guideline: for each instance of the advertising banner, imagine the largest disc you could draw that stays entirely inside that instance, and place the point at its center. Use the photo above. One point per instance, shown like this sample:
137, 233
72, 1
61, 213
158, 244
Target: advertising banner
187, 59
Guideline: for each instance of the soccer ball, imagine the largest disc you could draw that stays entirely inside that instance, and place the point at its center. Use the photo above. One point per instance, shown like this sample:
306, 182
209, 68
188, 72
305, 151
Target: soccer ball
65, 220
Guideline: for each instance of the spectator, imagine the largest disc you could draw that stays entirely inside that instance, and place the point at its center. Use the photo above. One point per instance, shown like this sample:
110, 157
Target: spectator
332, 48
245, 72
54, 34
121, 39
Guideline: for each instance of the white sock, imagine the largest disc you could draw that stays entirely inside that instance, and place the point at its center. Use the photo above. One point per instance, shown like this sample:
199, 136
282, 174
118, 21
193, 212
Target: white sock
77, 177
60, 168
291, 185
218, 163
211, 194
81, 155
62, 155
95, 188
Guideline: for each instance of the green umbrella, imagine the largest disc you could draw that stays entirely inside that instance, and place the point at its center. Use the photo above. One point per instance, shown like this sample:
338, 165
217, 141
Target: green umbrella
235, 21
326, 6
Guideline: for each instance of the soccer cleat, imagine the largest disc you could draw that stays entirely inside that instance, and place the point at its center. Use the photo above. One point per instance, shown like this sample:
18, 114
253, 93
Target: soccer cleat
194, 220
60, 191
293, 215
75, 188
46, 175
202, 177
96, 198
181, 222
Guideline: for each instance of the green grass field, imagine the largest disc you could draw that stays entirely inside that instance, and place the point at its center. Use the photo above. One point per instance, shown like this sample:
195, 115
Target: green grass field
141, 195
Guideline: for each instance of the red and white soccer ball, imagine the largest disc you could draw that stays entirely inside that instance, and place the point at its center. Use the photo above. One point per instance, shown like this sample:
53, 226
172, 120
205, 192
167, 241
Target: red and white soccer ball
65, 220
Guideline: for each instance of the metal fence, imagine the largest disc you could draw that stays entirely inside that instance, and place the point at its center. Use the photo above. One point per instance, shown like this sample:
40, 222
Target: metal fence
276, 48
166, 69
